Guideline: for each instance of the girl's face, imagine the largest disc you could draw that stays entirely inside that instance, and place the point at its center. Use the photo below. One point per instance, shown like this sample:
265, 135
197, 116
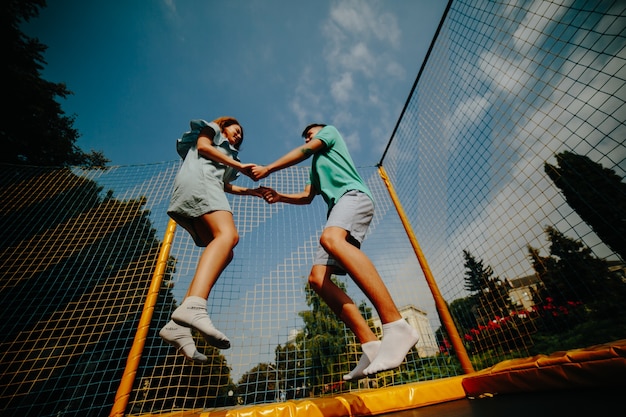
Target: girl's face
234, 134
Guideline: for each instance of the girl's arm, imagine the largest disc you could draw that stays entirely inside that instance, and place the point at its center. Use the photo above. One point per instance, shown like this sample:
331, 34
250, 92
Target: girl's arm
237, 190
206, 149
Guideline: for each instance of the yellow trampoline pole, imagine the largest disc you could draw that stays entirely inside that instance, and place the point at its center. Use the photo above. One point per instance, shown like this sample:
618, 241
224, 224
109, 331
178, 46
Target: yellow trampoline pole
440, 303
132, 362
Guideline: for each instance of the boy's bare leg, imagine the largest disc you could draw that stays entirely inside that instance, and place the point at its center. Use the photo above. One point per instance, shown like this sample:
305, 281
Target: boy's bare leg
398, 336
343, 306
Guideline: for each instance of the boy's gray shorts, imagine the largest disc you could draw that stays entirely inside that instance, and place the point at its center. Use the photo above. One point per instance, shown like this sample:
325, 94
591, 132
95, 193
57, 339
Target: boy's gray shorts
353, 212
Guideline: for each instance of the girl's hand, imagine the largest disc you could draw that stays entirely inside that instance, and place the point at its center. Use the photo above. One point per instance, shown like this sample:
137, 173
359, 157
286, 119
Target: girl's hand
246, 169
256, 192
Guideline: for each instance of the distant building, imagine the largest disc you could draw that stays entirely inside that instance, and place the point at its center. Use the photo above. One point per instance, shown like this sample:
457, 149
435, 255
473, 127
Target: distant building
618, 269
521, 291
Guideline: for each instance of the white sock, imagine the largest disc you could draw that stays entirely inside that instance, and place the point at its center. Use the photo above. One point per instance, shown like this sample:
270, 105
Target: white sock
398, 338
192, 313
180, 338
370, 349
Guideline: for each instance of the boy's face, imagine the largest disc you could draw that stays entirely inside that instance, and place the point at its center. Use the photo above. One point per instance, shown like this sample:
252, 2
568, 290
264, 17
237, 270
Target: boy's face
311, 133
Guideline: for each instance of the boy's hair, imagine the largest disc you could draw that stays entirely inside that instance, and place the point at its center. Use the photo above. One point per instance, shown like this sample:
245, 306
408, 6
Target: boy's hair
311, 126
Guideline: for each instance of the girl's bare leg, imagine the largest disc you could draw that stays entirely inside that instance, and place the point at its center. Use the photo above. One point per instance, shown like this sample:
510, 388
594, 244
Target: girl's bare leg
218, 230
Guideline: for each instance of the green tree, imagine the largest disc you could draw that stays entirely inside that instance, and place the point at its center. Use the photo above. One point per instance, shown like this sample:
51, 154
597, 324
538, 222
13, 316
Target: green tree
313, 361
35, 129
463, 310
596, 193
492, 308
573, 274
490, 292
291, 360
259, 385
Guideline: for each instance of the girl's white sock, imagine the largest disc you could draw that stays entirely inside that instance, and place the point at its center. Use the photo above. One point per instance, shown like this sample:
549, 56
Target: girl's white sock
193, 313
180, 338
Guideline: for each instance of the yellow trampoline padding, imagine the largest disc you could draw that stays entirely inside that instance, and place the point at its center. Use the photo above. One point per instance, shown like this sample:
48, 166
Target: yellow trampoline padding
361, 403
597, 366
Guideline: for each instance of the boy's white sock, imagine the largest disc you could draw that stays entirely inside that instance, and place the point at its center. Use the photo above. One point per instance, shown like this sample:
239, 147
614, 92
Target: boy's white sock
398, 338
192, 313
180, 338
370, 349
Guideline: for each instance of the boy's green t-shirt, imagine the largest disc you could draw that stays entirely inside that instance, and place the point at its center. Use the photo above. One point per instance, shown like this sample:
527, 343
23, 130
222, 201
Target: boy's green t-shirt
332, 171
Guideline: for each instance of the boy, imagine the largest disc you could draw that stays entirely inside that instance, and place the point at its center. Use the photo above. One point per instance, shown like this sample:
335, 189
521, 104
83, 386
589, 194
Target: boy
350, 211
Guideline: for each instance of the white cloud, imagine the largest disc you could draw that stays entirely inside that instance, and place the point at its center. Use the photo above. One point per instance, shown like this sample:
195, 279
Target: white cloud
306, 102
170, 5
341, 89
358, 19
360, 66
533, 29
358, 58
360, 73
506, 74
573, 115
353, 30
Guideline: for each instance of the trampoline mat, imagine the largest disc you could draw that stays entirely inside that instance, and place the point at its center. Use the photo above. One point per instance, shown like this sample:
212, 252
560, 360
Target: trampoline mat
570, 403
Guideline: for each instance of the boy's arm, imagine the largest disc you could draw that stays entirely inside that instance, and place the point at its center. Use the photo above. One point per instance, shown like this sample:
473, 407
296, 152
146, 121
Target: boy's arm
292, 157
272, 196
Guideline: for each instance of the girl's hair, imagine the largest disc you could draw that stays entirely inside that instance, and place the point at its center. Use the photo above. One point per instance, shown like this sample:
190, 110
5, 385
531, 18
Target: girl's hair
225, 121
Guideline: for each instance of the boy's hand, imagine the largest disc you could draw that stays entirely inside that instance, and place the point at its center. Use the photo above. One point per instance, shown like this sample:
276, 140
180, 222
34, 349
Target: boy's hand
270, 195
259, 172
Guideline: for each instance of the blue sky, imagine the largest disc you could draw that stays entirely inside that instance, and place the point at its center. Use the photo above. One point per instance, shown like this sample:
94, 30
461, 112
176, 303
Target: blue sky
140, 70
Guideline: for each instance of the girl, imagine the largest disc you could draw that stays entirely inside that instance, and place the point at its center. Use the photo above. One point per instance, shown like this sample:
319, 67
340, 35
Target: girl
199, 205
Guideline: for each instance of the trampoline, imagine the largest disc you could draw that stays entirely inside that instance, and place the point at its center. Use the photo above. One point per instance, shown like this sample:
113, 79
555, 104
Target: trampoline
572, 383
571, 403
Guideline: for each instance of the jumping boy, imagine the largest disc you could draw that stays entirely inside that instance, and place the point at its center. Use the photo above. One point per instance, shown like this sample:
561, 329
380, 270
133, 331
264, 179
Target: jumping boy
350, 211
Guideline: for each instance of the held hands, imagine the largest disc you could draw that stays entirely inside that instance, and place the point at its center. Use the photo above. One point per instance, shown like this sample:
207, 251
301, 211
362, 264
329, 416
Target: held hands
259, 172
256, 192
254, 171
246, 169
270, 195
